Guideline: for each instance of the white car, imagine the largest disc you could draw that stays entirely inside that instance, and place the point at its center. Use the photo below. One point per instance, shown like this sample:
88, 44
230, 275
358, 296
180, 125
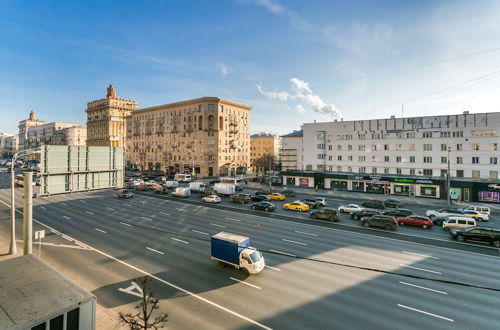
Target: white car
211, 199
349, 208
443, 213
150, 183
320, 200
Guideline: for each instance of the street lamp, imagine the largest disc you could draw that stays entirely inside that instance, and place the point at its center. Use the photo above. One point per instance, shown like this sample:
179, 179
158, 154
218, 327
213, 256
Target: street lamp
448, 197
22, 153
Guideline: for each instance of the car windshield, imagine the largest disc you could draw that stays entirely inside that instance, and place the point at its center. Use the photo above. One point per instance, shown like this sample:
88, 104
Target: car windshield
256, 256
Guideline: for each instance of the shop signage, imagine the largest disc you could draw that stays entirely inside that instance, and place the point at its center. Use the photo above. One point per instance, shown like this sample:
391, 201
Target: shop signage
489, 196
424, 181
304, 182
403, 180
494, 186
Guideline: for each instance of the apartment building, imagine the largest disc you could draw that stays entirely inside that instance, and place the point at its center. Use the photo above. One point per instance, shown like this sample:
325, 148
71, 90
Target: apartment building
106, 119
207, 136
262, 144
25, 126
70, 136
291, 151
56, 133
8, 145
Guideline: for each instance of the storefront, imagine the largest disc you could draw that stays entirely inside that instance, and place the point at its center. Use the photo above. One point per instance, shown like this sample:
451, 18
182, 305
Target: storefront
336, 184
403, 187
488, 192
428, 188
298, 179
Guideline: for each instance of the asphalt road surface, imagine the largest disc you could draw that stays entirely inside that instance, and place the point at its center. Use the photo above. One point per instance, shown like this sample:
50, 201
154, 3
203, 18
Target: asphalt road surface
318, 276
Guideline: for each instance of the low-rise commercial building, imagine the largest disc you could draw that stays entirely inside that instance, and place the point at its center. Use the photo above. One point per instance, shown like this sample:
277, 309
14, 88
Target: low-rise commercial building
24, 128
291, 151
263, 144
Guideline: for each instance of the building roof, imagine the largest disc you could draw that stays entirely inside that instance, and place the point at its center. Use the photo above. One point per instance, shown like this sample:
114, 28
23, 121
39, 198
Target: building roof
294, 134
198, 100
262, 135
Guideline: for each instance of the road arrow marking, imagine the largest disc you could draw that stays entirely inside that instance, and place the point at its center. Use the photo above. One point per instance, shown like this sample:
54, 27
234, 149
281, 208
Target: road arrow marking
134, 289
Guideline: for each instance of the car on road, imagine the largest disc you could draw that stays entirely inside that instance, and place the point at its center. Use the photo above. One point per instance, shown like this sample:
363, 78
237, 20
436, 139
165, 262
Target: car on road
155, 187
263, 206
415, 221
162, 191
478, 208
441, 213
458, 222
326, 214
349, 208
321, 201
142, 187
482, 234
260, 198
150, 183
365, 213
276, 196
124, 193
373, 204
311, 202
296, 206
288, 193
240, 198
393, 203
263, 192
477, 215
398, 212
208, 192
383, 221
214, 181
211, 199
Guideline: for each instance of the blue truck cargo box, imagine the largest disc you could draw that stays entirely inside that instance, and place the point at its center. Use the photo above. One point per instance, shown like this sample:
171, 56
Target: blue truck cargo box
227, 247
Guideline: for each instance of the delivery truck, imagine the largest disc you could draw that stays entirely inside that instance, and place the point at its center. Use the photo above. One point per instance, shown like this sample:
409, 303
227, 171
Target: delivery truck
225, 189
235, 250
197, 186
181, 192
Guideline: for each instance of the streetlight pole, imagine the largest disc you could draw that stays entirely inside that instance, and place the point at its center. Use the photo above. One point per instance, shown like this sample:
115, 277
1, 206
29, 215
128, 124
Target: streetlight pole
448, 197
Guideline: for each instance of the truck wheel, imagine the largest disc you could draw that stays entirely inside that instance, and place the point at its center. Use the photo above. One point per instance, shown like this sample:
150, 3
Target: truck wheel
245, 271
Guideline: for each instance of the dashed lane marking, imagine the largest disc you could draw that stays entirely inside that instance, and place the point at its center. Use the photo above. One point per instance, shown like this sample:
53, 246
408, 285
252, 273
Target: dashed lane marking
243, 282
179, 240
426, 313
199, 232
146, 218
150, 249
422, 269
88, 212
110, 208
420, 255
294, 242
273, 268
216, 225
303, 232
422, 287
65, 217
126, 224
284, 253
102, 231
233, 219
164, 213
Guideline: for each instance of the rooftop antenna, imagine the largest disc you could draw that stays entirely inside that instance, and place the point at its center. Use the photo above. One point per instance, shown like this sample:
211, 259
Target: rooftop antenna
402, 110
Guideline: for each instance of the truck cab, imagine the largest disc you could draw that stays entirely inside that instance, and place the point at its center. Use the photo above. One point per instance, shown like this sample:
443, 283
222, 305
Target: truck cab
252, 260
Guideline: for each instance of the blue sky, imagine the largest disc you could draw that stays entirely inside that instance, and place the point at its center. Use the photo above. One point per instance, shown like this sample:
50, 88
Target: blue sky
292, 61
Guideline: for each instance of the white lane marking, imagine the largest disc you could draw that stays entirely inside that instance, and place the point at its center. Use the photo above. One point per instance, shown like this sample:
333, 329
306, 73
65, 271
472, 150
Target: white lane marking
43, 207
179, 240
303, 232
127, 204
146, 218
426, 313
422, 269
422, 287
147, 247
420, 255
273, 268
126, 224
66, 238
216, 225
233, 219
89, 212
109, 208
164, 213
102, 231
294, 242
284, 253
85, 246
81, 200
243, 282
199, 232
65, 217
64, 204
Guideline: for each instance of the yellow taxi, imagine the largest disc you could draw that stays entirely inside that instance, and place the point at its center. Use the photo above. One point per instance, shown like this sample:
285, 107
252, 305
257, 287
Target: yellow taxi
276, 197
296, 206
155, 187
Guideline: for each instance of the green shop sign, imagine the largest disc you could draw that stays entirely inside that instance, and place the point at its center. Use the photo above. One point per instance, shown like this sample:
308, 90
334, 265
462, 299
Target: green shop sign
404, 180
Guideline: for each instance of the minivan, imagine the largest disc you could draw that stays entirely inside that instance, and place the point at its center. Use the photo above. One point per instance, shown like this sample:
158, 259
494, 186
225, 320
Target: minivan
458, 223
478, 208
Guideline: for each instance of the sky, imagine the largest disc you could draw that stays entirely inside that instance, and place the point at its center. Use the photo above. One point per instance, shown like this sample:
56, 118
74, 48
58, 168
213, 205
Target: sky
292, 61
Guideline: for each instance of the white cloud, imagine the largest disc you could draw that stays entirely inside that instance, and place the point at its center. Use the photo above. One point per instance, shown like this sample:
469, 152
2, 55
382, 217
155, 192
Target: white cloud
300, 108
282, 96
270, 5
300, 85
223, 68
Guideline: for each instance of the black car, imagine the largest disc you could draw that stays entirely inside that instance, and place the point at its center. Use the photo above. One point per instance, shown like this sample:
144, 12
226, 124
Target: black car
327, 214
214, 181
437, 221
364, 213
374, 204
383, 221
262, 192
288, 193
124, 193
399, 212
264, 206
260, 198
162, 191
483, 234
311, 202
240, 198
393, 203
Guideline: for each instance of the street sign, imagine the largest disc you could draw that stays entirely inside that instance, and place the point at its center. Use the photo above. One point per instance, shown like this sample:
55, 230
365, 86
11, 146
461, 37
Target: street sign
39, 234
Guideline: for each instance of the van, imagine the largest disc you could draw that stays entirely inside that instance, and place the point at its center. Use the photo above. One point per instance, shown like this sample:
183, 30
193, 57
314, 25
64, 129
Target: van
182, 177
197, 186
478, 208
181, 192
453, 222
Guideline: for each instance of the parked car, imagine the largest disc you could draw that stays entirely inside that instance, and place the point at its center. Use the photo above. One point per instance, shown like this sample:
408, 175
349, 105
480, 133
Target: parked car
263, 206
477, 215
150, 183
478, 208
374, 204
458, 222
276, 196
240, 198
162, 191
321, 201
262, 192
260, 198
483, 234
398, 212
393, 203
311, 202
288, 193
441, 213
364, 213
349, 208
415, 221
124, 193
296, 206
327, 214
383, 221
211, 199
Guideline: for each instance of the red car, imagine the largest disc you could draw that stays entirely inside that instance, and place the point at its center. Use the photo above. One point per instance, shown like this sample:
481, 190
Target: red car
416, 221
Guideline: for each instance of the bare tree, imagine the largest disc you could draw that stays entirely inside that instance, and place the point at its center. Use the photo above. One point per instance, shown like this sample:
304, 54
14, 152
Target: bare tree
266, 162
146, 307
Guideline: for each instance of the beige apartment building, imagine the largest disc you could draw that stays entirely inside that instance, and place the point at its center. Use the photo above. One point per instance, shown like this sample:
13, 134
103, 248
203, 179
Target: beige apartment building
70, 136
208, 136
106, 119
262, 144
24, 128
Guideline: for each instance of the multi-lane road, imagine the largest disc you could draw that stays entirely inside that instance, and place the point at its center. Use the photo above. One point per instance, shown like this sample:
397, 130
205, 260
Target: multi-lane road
318, 275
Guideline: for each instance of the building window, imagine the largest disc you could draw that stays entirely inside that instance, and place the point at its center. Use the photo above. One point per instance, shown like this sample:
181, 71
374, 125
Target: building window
493, 175
330, 147
412, 159
349, 169
386, 170
398, 159
428, 171
475, 147
427, 134
427, 147
444, 160
330, 157
493, 160
493, 146
443, 147
475, 160
349, 158
321, 146
412, 171
339, 157
386, 147
460, 173
460, 160
361, 147
460, 147
374, 147
386, 158
211, 107
362, 158
339, 147
349, 147
321, 156
362, 169
475, 174
374, 170
398, 171
339, 168
444, 173
412, 147
427, 159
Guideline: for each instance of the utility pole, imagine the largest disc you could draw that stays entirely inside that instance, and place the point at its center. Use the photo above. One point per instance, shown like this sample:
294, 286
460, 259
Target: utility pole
448, 198
28, 213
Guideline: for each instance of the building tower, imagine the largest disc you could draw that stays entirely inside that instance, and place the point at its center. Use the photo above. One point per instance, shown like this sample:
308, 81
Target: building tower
106, 119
